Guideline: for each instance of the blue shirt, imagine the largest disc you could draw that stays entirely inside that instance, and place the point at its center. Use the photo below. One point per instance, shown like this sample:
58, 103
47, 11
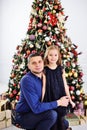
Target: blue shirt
30, 96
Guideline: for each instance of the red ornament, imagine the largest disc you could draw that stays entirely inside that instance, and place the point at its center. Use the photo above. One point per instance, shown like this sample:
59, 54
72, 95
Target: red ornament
14, 84
29, 28
81, 74
37, 8
49, 43
59, 7
44, 9
55, 6
72, 88
79, 80
17, 97
52, 19
40, 31
17, 47
12, 75
14, 92
34, 51
11, 95
72, 97
28, 52
74, 52
68, 64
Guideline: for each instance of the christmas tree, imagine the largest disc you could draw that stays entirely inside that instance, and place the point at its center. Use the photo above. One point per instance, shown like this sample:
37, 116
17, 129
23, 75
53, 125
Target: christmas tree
47, 27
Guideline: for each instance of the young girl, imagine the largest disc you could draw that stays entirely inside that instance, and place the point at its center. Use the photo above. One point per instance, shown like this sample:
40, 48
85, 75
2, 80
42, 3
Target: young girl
56, 85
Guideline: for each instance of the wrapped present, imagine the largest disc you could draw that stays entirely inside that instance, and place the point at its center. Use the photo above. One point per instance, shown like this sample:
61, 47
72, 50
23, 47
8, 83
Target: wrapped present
8, 122
82, 120
2, 116
2, 96
5, 112
2, 124
73, 119
2, 103
5, 104
13, 104
5, 119
8, 114
5, 123
8, 117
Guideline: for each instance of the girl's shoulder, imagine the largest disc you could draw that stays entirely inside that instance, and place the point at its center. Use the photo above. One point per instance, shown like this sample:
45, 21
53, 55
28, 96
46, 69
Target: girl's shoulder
61, 68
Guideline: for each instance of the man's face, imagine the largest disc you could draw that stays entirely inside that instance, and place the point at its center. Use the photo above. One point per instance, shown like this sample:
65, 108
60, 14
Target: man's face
36, 64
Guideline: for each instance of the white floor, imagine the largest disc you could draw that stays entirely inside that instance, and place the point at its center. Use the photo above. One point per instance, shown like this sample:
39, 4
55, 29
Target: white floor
78, 127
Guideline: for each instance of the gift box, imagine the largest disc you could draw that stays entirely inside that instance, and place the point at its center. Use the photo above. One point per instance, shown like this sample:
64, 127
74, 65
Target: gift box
2, 124
5, 104
3, 96
83, 120
2, 116
5, 113
13, 104
73, 119
5, 119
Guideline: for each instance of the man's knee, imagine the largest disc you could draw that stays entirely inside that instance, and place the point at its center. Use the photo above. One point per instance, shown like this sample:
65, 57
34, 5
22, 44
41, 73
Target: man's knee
53, 115
66, 123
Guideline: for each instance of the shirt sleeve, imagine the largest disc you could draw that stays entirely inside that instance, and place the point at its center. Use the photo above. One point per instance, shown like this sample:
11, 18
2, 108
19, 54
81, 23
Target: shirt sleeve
32, 98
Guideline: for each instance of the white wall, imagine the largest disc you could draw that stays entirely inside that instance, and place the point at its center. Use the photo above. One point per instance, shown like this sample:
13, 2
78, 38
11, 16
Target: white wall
77, 30
14, 18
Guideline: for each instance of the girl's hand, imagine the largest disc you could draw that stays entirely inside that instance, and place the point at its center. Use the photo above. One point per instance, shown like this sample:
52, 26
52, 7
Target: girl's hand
72, 103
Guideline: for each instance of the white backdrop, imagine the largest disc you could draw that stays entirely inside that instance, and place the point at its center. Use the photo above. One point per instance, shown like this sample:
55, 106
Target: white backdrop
14, 19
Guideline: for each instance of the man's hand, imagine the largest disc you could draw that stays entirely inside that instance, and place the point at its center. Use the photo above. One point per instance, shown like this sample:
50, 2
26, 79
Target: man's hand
63, 101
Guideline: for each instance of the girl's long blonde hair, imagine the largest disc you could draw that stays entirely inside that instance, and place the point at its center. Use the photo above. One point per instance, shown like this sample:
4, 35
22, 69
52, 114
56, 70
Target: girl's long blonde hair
52, 47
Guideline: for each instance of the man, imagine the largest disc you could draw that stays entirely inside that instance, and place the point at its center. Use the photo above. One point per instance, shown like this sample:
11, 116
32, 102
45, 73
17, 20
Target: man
31, 112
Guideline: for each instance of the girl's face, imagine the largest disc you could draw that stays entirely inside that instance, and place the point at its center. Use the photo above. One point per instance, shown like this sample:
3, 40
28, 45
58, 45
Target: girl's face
53, 56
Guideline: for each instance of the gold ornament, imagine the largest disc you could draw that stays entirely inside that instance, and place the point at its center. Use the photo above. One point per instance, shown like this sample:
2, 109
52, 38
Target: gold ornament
85, 103
70, 73
66, 75
75, 75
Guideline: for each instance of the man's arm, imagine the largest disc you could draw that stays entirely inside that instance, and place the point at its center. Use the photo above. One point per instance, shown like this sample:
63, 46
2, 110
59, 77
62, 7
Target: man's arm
33, 100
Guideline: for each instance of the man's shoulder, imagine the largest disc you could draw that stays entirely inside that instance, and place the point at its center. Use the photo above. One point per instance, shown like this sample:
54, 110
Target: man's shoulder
27, 76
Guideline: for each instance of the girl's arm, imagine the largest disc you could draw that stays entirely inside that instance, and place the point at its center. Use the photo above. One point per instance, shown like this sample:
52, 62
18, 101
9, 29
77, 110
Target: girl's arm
44, 86
67, 89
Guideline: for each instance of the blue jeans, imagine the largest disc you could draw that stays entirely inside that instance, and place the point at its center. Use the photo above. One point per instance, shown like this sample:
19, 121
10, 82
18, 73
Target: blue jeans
66, 124
42, 121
